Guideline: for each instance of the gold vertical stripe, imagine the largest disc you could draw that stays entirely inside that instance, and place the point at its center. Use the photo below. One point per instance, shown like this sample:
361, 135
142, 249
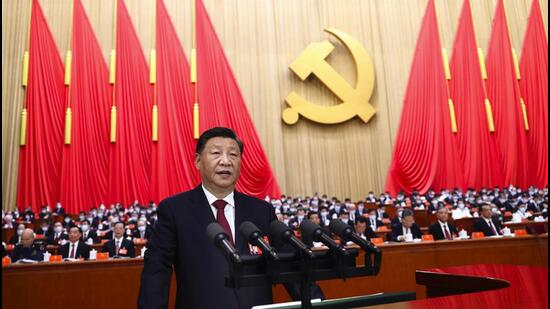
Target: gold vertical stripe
153, 67
23, 136
25, 75
68, 126
155, 123
112, 67
516, 64
196, 121
68, 65
525, 117
113, 124
193, 65
446, 63
454, 126
481, 58
489, 112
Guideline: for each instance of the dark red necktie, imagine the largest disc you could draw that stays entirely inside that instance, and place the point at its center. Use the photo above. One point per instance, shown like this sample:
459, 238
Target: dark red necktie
447, 234
220, 206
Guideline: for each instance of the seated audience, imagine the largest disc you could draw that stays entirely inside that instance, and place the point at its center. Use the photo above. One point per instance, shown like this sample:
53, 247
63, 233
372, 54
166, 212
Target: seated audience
27, 249
74, 248
442, 229
119, 246
363, 229
407, 226
486, 223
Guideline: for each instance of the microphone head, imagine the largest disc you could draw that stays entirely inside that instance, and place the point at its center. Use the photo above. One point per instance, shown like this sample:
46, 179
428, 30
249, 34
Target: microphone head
309, 228
215, 232
339, 228
279, 230
249, 230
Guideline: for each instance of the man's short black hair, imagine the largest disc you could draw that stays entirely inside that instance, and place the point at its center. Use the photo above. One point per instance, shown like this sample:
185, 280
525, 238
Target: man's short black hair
407, 213
361, 220
217, 132
75, 227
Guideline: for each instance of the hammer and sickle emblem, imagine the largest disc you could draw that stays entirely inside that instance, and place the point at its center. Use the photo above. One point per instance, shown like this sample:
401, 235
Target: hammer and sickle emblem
355, 101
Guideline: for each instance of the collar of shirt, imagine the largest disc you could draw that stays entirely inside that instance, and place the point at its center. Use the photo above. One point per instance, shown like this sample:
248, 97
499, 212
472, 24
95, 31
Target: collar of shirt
230, 198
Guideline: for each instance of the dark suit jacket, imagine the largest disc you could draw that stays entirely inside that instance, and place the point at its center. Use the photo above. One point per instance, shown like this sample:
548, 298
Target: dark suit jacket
369, 233
179, 239
82, 251
14, 239
127, 244
53, 241
438, 233
91, 235
397, 230
480, 225
32, 253
147, 235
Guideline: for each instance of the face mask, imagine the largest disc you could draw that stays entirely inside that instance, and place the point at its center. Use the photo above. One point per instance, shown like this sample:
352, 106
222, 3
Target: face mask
85, 227
399, 213
44, 228
345, 221
67, 220
522, 209
495, 210
141, 228
58, 229
19, 232
324, 214
337, 208
372, 217
461, 206
300, 217
90, 219
82, 218
286, 221
9, 218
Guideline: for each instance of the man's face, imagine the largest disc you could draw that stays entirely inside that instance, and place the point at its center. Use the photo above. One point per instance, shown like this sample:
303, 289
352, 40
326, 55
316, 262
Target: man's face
315, 219
443, 214
360, 227
74, 234
486, 211
408, 221
119, 230
27, 239
219, 164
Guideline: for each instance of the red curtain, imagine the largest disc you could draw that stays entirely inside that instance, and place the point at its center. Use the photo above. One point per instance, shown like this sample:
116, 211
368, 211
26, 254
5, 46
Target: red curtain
221, 104
40, 159
476, 144
173, 154
504, 93
534, 87
86, 160
425, 154
528, 288
130, 156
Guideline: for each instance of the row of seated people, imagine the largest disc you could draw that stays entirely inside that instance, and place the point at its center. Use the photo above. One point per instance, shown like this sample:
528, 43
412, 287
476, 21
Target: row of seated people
74, 247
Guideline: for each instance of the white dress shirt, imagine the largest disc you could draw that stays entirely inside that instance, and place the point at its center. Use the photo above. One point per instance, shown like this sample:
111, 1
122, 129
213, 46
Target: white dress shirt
229, 209
445, 227
461, 213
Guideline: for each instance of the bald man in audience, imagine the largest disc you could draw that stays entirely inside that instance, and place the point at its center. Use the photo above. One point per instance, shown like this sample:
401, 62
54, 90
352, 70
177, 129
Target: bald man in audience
75, 249
407, 226
119, 246
489, 225
27, 249
442, 229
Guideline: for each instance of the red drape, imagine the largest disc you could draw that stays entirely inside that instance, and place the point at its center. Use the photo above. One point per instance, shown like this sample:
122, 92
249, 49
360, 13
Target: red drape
534, 88
475, 142
85, 161
221, 104
40, 160
130, 156
504, 93
173, 168
528, 288
425, 154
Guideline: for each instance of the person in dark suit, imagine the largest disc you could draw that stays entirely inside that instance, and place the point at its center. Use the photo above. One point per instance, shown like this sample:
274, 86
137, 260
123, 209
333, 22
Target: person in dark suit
16, 238
87, 233
142, 231
179, 238
119, 246
75, 249
27, 249
363, 229
486, 223
58, 235
373, 220
442, 229
407, 226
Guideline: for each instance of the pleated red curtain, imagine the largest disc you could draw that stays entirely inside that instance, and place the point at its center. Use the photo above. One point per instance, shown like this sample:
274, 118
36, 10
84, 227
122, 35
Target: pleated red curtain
222, 104
130, 156
476, 144
40, 159
84, 172
173, 169
425, 154
534, 88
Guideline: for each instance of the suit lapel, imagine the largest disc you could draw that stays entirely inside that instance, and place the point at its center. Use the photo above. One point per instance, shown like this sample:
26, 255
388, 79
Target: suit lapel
241, 244
200, 207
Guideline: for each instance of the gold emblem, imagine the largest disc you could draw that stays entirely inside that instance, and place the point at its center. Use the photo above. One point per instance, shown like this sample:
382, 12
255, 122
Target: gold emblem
355, 101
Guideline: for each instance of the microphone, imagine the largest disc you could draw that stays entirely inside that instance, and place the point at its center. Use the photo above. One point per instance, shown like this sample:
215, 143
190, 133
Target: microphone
217, 235
314, 231
346, 233
282, 233
254, 236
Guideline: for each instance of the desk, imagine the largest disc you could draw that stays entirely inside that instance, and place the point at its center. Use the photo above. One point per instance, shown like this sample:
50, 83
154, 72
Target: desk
115, 283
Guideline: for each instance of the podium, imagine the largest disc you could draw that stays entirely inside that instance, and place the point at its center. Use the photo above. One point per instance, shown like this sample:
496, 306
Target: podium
349, 302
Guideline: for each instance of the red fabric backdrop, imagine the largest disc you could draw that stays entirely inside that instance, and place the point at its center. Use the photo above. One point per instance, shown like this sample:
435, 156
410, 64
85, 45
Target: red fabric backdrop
534, 87
85, 163
40, 160
222, 104
476, 144
173, 154
425, 154
504, 93
130, 156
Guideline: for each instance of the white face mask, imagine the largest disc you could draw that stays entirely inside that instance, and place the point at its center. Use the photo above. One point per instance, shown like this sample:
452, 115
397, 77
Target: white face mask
141, 228
58, 229
372, 217
286, 221
9, 218
461, 206
324, 214
85, 227
67, 219
44, 228
522, 209
19, 232
345, 221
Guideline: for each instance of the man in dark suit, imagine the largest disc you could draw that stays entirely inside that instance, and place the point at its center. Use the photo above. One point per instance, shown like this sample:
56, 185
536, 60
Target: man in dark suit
486, 223
442, 229
363, 229
16, 238
407, 226
58, 235
119, 246
142, 231
75, 249
27, 249
87, 233
373, 221
179, 236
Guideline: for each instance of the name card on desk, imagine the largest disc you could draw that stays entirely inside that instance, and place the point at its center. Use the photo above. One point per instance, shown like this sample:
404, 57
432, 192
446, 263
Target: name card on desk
6, 261
477, 235
377, 240
520, 232
103, 256
428, 237
56, 258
